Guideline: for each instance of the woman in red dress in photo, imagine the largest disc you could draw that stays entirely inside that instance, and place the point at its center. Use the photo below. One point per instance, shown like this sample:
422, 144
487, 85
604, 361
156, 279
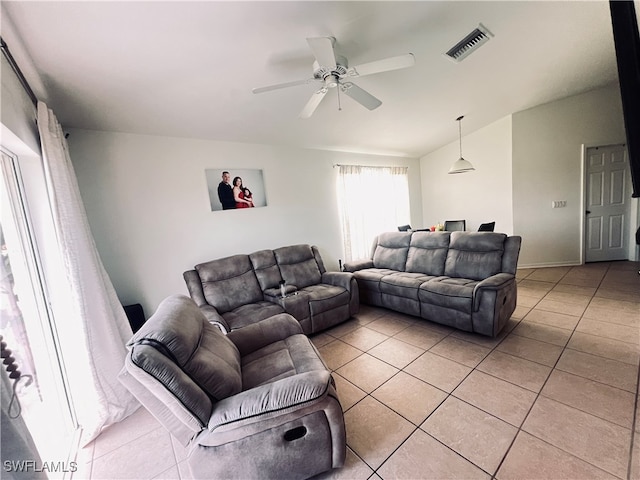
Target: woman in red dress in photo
239, 194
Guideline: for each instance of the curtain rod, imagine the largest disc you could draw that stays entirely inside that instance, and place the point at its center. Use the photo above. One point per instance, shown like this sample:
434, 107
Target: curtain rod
18, 72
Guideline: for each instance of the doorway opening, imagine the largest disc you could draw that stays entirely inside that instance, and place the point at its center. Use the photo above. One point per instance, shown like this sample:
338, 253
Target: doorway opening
36, 404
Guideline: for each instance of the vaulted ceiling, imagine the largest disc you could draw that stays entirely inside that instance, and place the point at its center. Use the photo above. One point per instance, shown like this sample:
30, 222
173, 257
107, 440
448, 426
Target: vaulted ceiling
187, 69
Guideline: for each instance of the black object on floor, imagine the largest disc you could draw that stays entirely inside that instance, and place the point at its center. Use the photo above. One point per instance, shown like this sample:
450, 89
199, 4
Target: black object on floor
135, 314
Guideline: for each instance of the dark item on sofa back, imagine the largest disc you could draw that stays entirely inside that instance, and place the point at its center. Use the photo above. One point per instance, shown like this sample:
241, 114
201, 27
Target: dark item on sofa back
455, 225
487, 227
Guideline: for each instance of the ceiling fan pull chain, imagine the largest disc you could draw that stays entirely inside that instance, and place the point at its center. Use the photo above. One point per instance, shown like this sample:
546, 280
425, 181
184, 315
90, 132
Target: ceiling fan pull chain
339, 105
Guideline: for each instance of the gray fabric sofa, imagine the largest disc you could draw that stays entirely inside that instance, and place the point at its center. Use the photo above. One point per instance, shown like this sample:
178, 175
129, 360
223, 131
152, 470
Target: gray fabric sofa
462, 279
239, 290
256, 403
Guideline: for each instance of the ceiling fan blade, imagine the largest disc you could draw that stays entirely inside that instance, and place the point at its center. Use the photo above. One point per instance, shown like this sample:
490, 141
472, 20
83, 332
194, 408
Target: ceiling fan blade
282, 85
322, 48
361, 96
313, 103
384, 65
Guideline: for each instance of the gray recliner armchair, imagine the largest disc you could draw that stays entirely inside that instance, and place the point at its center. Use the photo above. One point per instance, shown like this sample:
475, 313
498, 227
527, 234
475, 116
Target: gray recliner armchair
256, 403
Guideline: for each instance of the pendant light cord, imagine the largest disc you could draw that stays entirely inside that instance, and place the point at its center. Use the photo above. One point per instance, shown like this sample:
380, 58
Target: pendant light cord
459, 119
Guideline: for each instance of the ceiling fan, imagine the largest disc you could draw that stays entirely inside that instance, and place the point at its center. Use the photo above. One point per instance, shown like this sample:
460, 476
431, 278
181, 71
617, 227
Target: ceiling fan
333, 71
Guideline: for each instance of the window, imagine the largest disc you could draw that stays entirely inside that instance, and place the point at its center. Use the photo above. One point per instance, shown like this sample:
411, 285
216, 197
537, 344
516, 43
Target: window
371, 200
41, 399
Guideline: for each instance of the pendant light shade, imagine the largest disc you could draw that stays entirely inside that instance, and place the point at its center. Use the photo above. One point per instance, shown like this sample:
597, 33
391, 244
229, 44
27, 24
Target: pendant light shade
461, 165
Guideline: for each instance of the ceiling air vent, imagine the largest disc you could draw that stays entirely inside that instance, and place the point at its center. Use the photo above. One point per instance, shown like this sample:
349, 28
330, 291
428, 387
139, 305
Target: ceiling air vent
469, 44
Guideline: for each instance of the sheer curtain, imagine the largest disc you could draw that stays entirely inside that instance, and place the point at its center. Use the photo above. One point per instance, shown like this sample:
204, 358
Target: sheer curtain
90, 322
372, 200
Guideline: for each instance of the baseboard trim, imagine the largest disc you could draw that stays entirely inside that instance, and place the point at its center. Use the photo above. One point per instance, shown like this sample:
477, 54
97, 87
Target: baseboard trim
551, 264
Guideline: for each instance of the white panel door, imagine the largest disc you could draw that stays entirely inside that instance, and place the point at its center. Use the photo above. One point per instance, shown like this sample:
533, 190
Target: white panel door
607, 204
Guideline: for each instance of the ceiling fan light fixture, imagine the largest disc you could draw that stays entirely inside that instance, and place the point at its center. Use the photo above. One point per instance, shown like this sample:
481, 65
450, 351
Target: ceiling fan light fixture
461, 165
331, 81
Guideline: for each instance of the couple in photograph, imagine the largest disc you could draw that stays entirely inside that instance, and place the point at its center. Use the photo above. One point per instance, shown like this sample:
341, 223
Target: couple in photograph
234, 195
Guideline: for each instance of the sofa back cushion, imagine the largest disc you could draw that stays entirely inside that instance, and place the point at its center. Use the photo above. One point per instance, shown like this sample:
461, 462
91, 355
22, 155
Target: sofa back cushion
266, 269
474, 255
183, 351
298, 265
391, 249
511, 253
229, 283
428, 252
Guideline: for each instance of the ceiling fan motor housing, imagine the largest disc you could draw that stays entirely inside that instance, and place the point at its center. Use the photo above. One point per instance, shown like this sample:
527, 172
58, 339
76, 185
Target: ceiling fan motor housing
322, 72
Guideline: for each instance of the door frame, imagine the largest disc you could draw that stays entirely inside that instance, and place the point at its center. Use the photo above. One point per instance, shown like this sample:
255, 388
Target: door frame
634, 208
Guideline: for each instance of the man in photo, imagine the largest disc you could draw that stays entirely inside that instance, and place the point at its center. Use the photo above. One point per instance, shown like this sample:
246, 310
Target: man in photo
225, 192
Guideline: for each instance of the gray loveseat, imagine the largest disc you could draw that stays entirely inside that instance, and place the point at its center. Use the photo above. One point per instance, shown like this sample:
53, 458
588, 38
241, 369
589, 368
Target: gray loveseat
242, 289
256, 403
462, 279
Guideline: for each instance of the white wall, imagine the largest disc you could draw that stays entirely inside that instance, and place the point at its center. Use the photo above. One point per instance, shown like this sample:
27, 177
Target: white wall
480, 196
523, 163
148, 206
547, 165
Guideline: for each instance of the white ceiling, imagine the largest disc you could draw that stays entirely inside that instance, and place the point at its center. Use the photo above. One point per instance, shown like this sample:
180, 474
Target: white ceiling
186, 69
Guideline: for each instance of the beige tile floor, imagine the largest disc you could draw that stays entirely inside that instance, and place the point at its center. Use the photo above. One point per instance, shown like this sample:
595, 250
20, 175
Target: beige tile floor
554, 396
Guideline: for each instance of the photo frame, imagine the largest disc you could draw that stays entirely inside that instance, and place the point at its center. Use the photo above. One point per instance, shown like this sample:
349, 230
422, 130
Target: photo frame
225, 195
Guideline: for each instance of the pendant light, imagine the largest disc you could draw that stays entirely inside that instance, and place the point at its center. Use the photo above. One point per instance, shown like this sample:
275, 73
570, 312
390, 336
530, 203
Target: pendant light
461, 165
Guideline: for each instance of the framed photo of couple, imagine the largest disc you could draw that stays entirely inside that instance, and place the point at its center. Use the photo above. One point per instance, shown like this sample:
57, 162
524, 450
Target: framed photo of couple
235, 188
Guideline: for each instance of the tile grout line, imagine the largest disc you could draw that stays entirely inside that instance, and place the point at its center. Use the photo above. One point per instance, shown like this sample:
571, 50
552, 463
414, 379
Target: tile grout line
417, 427
633, 428
449, 394
539, 393
492, 349
547, 379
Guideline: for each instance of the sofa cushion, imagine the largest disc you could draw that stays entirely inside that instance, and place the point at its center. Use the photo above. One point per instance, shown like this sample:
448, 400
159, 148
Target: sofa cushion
403, 284
266, 268
254, 312
474, 255
371, 277
391, 250
298, 265
232, 274
323, 297
428, 252
178, 342
279, 360
455, 293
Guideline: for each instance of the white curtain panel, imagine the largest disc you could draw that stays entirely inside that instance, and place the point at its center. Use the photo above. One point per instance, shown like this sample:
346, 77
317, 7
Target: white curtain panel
372, 200
90, 322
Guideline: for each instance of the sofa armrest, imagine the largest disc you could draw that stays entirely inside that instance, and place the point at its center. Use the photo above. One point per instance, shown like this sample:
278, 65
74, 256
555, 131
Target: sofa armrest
265, 332
338, 279
272, 398
194, 286
356, 265
498, 281
215, 318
